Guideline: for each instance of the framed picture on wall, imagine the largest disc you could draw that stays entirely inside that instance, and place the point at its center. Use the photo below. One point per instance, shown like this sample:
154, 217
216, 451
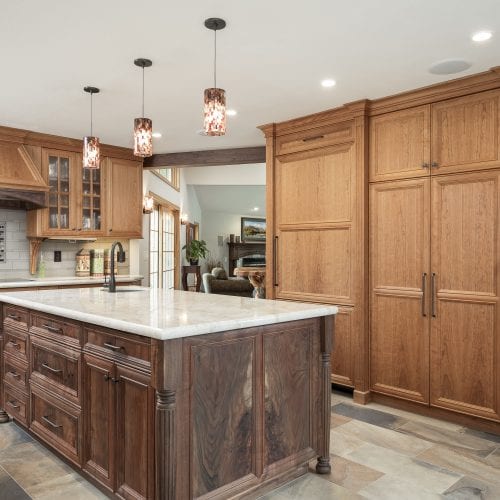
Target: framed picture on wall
253, 230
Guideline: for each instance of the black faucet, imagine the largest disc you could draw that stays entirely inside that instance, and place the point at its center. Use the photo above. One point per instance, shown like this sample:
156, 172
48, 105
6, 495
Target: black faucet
120, 257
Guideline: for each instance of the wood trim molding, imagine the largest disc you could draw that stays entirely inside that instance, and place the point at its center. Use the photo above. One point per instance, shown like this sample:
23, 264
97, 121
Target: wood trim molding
30, 138
209, 158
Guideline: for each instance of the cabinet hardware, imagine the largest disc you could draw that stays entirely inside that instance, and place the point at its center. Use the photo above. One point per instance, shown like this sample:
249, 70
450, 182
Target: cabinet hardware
113, 347
424, 293
14, 316
434, 164
425, 165
50, 369
275, 261
307, 139
115, 380
15, 345
52, 328
13, 404
52, 424
106, 377
433, 295
14, 375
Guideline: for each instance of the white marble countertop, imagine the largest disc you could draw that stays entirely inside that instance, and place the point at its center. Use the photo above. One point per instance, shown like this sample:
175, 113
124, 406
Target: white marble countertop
61, 281
163, 314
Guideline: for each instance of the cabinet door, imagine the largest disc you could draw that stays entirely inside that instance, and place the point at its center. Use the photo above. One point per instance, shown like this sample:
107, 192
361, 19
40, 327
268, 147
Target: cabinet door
125, 198
466, 133
62, 173
134, 434
465, 334
99, 418
400, 144
399, 305
91, 203
342, 355
315, 212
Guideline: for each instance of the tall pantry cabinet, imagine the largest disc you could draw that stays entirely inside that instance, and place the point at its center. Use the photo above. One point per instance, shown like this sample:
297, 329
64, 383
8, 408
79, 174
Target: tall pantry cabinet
316, 203
434, 254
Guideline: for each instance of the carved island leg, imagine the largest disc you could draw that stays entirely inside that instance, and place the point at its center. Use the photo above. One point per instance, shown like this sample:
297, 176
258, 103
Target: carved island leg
165, 445
327, 332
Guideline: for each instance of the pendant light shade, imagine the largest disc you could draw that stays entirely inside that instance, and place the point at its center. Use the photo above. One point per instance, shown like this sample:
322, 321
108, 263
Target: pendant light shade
91, 146
215, 111
143, 127
215, 98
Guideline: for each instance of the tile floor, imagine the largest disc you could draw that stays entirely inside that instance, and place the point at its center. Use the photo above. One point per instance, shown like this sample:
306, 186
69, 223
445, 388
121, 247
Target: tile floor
377, 453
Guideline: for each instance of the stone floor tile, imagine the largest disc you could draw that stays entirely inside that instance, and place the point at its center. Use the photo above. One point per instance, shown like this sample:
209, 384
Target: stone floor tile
11, 434
369, 415
493, 459
407, 445
348, 474
488, 436
378, 458
458, 441
474, 467
393, 487
471, 489
9, 489
342, 443
311, 487
337, 420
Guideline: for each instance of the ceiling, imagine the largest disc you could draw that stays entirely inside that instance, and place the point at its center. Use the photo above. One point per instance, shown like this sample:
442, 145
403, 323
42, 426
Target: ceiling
271, 59
239, 200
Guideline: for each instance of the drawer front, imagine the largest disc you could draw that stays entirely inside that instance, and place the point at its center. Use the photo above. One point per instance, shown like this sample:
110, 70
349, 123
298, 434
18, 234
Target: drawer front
56, 423
315, 138
56, 328
118, 346
55, 366
16, 343
16, 404
15, 317
15, 373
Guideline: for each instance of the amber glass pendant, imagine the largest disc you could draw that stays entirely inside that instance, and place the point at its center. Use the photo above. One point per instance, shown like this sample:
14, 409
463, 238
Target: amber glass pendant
215, 111
143, 137
91, 152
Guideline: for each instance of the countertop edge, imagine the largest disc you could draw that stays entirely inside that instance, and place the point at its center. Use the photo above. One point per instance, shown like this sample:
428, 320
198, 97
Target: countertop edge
42, 282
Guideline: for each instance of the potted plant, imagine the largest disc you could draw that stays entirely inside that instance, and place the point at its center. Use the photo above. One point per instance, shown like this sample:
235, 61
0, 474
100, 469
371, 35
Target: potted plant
197, 249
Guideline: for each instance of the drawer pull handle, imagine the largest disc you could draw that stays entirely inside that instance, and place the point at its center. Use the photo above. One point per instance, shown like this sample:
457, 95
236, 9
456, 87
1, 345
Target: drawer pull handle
307, 139
15, 345
113, 347
52, 328
14, 316
115, 380
14, 375
50, 369
13, 404
52, 424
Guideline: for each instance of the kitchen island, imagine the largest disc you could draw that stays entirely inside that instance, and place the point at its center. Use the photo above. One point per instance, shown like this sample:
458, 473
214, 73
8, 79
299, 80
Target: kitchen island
167, 394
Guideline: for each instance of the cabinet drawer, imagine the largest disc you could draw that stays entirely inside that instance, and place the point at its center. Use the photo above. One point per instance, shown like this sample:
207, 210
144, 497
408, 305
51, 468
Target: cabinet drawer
15, 373
15, 317
315, 138
55, 328
118, 346
16, 404
56, 423
56, 367
16, 343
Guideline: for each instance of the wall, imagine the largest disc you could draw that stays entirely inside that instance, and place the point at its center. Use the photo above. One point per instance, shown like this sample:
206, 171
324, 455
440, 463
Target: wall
224, 175
217, 224
17, 265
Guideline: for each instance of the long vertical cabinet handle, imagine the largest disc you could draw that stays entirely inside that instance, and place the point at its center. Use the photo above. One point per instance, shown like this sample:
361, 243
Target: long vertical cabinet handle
424, 294
433, 295
275, 261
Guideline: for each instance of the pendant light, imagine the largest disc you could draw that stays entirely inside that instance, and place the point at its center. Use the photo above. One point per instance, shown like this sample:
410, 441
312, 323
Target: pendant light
215, 98
91, 147
143, 127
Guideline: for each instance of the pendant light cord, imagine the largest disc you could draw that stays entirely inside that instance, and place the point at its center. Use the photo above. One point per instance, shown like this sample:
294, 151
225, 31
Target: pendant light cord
143, 91
91, 95
215, 58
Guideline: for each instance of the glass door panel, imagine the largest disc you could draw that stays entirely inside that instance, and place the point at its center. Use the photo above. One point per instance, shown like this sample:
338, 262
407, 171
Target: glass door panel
91, 200
59, 192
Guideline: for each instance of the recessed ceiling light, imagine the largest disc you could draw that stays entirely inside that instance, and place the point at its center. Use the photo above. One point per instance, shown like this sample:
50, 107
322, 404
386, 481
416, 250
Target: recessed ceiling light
449, 66
482, 36
231, 112
328, 83
255, 209
156, 135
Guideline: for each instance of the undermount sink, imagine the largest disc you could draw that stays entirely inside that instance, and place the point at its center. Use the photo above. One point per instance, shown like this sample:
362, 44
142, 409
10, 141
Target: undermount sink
124, 289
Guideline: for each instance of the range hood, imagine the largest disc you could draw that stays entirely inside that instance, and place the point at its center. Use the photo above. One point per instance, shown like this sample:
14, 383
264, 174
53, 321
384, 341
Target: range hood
21, 182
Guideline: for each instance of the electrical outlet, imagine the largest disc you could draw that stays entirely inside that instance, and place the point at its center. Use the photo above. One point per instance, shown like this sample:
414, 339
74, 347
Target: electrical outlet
57, 255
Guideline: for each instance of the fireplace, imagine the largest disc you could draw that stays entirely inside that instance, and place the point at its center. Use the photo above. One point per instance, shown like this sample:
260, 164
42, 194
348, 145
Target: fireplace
248, 254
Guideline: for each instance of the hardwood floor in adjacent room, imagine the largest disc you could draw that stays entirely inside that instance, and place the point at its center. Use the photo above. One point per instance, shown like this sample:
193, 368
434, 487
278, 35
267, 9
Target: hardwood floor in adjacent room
377, 453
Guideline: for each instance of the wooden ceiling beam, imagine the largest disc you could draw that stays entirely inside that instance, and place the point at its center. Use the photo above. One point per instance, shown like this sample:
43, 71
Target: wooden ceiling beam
209, 158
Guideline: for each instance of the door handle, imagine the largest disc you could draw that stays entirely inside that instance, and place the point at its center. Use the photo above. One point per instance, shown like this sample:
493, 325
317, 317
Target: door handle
424, 294
52, 424
52, 328
50, 369
112, 346
275, 261
433, 295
